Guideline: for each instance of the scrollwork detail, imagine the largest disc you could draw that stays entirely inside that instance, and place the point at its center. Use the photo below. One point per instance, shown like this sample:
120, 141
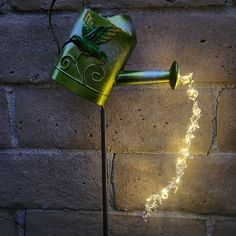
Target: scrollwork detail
94, 72
66, 62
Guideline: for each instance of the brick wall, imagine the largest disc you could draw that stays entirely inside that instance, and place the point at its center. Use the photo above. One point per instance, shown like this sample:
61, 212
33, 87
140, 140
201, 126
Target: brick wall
50, 177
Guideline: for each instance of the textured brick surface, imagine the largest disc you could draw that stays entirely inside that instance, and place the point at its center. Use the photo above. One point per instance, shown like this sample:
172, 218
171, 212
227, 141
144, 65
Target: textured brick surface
52, 223
56, 118
135, 225
50, 180
227, 120
54, 177
44, 4
27, 49
136, 119
4, 121
193, 38
4, 5
225, 227
207, 187
155, 120
151, 3
7, 225
76, 4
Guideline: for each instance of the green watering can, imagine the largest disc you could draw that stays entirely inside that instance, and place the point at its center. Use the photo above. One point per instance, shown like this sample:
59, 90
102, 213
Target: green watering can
91, 61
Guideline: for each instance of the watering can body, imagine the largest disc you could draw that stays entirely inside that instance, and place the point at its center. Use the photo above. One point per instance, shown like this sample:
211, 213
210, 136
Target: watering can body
97, 50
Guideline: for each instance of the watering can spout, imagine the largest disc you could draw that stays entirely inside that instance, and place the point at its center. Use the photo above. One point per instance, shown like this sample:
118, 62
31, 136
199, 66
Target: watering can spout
170, 76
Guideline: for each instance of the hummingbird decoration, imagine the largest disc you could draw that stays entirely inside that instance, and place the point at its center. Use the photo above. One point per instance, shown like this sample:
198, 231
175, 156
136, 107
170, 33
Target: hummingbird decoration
92, 37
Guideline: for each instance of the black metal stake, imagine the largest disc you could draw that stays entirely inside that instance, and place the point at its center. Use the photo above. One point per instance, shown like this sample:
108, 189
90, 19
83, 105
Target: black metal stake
104, 173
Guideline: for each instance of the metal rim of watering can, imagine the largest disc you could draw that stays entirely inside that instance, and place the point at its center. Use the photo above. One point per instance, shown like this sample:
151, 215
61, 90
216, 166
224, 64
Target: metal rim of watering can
174, 75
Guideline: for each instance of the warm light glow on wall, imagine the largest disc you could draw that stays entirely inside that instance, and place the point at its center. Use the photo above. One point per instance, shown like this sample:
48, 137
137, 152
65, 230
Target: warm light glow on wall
155, 200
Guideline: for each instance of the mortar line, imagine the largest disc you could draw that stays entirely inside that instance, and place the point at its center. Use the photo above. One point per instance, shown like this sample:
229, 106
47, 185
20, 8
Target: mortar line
45, 151
11, 104
117, 10
26, 150
214, 142
160, 214
14, 219
21, 219
210, 224
228, 3
6, 219
176, 214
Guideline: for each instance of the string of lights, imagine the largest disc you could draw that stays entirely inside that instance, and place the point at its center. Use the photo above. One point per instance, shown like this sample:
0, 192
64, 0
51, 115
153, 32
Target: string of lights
156, 200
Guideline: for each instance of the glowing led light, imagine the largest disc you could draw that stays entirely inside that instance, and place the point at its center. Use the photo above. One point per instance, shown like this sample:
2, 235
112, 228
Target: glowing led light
155, 200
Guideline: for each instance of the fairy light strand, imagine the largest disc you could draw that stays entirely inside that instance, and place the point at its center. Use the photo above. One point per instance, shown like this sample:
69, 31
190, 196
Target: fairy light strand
156, 200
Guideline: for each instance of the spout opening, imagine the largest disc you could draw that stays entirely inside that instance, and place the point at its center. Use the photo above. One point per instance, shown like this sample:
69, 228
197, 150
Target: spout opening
174, 75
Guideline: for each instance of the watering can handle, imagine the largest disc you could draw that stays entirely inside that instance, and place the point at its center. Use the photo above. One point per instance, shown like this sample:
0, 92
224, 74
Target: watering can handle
50, 25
